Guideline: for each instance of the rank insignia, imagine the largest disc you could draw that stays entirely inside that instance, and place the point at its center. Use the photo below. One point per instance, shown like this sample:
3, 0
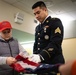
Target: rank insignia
47, 21
46, 37
57, 30
50, 49
45, 28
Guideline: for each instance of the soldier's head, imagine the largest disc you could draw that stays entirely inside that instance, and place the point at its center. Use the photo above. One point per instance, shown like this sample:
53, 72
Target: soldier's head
40, 11
5, 30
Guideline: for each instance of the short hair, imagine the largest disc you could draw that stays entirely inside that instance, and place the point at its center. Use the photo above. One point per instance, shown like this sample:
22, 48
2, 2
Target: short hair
39, 4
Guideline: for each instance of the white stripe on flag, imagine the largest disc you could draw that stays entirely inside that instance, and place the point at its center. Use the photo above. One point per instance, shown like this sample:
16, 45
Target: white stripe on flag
25, 65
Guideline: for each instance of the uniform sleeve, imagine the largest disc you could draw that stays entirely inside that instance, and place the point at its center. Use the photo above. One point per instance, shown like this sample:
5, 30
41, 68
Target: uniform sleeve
3, 60
56, 37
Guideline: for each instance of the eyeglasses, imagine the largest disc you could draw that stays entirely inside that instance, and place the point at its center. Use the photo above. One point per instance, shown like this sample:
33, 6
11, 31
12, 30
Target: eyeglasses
6, 31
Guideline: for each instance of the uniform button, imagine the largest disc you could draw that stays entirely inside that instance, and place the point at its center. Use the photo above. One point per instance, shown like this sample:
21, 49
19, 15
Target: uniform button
39, 38
38, 43
38, 33
38, 48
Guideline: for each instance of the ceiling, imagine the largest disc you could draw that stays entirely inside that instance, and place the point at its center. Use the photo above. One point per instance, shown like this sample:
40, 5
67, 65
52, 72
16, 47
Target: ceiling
55, 7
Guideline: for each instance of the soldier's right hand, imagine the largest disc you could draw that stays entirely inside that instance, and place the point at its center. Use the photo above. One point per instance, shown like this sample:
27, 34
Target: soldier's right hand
10, 60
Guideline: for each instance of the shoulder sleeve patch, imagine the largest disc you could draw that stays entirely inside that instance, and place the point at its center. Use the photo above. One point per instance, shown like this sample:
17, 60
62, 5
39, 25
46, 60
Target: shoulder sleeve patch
57, 30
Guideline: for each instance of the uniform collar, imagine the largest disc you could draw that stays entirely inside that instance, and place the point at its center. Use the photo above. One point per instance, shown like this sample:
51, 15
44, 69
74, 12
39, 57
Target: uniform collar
45, 19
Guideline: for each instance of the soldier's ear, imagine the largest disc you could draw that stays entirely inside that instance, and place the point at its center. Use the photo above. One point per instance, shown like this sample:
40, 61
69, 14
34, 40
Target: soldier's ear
44, 8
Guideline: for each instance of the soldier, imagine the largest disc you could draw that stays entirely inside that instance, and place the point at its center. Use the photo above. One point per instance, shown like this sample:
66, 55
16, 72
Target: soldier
48, 37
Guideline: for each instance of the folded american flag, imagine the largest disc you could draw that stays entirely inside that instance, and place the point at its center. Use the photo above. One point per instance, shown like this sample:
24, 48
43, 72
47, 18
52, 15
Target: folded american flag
43, 68
27, 66
23, 63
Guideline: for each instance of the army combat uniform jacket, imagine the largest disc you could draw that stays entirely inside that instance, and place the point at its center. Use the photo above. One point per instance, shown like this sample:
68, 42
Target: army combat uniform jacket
48, 41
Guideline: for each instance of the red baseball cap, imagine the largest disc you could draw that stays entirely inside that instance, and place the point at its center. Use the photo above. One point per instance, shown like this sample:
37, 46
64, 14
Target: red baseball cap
5, 25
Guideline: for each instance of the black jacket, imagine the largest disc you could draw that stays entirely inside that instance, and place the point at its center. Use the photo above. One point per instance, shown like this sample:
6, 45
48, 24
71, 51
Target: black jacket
48, 41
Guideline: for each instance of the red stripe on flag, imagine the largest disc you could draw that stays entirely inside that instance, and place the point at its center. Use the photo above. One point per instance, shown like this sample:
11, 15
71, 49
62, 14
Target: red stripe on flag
25, 60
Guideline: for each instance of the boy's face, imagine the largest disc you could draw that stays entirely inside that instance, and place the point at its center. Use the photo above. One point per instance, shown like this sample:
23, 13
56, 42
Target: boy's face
6, 34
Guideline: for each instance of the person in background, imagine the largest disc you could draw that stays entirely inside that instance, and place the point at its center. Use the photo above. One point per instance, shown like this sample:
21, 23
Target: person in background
9, 48
69, 68
48, 37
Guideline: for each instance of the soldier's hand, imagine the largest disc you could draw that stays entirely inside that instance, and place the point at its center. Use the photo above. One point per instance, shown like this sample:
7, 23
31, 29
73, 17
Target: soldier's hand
35, 58
10, 60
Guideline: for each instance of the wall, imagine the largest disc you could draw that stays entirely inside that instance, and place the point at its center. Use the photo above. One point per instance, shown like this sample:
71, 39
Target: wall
69, 48
22, 36
69, 29
7, 12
